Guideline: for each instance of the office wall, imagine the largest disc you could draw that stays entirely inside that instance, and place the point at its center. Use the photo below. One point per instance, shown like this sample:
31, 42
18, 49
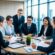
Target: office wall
10, 7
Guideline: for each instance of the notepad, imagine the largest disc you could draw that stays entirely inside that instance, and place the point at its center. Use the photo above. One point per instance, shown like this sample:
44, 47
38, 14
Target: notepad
13, 39
16, 45
30, 49
43, 44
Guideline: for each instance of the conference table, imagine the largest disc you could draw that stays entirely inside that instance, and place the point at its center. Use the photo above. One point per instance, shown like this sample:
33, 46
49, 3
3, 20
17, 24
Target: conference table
21, 50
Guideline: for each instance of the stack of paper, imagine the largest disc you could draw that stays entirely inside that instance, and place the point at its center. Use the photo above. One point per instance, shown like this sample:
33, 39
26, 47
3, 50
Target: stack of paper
16, 45
30, 49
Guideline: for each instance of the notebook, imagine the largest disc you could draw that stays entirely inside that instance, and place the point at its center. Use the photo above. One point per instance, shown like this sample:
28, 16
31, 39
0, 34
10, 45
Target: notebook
30, 49
16, 45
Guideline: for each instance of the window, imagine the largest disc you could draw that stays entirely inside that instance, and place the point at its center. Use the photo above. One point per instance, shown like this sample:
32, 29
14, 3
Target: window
43, 1
34, 2
52, 0
43, 13
29, 11
25, 11
52, 9
35, 13
29, 2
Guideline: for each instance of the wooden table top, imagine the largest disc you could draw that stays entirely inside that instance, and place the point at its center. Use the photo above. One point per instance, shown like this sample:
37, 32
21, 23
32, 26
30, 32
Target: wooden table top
21, 51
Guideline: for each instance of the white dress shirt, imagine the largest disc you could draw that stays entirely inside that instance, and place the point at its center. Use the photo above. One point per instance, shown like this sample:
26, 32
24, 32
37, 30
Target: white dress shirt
45, 29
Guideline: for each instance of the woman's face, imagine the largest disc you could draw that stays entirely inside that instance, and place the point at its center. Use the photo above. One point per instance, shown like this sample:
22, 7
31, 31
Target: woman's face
45, 22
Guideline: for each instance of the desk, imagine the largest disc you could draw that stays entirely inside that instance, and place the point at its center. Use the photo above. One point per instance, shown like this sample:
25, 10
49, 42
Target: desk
21, 51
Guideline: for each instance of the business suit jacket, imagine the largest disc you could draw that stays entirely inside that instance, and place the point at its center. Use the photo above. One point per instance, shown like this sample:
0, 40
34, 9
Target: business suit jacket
51, 47
2, 42
17, 23
48, 31
32, 29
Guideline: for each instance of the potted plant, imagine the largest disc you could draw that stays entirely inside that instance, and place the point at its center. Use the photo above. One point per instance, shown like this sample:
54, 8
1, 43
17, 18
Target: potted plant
28, 40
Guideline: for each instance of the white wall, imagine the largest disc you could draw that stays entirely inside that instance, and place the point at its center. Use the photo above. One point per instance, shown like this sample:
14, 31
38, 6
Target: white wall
10, 8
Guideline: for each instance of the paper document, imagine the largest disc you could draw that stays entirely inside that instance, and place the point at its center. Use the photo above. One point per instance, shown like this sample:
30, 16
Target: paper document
43, 44
16, 45
30, 49
13, 39
39, 38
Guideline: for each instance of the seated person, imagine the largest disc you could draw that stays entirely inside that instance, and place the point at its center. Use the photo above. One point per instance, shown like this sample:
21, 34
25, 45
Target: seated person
3, 44
52, 45
9, 28
29, 28
46, 29
1, 25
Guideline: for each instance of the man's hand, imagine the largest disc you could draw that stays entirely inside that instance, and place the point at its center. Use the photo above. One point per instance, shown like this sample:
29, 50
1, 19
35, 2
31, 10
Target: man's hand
17, 34
29, 35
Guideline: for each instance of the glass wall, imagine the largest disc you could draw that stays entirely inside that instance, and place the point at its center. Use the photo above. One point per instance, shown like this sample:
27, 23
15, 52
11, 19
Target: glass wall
40, 9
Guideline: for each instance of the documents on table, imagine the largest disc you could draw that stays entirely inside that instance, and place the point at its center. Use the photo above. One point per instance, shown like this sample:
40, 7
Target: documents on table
16, 45
43, 44
13, 39
30, 49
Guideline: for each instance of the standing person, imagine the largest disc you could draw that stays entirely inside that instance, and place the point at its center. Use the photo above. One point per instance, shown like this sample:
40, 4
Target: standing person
18, 20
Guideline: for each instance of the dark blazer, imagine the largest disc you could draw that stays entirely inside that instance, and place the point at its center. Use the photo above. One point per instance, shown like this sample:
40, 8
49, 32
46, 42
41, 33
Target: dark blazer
2, 42
32, 29
48, 32
17, 23
51, 47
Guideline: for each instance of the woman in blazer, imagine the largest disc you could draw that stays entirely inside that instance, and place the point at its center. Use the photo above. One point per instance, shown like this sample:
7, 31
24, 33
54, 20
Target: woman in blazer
50, 48
46, 29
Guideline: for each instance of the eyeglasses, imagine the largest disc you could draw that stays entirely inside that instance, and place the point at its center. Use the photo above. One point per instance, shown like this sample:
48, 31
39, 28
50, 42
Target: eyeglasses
29, 20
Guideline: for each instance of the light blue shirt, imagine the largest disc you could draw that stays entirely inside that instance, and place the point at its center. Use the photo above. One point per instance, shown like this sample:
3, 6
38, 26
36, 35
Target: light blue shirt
9, 30
2, 30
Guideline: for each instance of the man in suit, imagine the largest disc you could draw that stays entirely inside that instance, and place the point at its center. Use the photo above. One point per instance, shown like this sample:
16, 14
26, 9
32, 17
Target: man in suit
2, 42
29, 28
51, 48
18, 20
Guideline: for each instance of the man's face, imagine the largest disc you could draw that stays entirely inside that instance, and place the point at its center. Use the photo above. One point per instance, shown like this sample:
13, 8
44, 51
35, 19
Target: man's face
29, 20
19, 13
10, 21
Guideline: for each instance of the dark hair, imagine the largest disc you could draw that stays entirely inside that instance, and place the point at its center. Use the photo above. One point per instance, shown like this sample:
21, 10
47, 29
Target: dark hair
8, 17
54, 20
1, 18
48, 19
30, 17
